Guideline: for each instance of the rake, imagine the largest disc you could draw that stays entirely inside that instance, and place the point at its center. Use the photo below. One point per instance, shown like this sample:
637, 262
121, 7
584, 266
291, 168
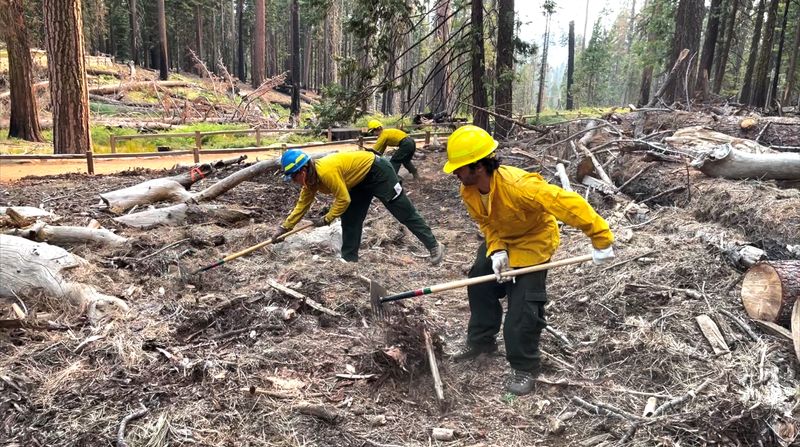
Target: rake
379, 295
249, 250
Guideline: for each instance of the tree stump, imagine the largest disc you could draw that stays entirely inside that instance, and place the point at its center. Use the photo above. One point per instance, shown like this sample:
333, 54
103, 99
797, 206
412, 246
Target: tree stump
769, 290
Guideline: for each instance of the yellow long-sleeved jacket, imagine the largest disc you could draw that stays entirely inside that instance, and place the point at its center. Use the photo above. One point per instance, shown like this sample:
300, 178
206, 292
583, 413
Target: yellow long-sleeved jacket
336, 174
522, 212
388, 137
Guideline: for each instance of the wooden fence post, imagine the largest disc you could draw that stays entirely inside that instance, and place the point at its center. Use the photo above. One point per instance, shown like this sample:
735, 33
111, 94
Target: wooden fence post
258, 137
427, 137
198, 143
330, 134
361, 142
113, 142
90, 162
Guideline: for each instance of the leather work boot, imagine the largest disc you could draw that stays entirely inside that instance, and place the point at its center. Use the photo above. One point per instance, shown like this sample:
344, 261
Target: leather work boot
520, 382
471, 352
437, 254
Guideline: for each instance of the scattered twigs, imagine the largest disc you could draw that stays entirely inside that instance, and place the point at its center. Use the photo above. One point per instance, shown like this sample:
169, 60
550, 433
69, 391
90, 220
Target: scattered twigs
617, 264
606, 409
635, 176
663, 193
310, 302
742, 325
122, 425
541, 130
680, 400
437, 380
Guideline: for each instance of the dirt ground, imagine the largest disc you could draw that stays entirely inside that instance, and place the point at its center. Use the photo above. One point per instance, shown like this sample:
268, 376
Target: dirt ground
214, 365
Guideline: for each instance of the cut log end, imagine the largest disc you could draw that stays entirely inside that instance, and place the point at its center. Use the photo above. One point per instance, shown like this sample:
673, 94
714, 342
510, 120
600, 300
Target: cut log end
769, 290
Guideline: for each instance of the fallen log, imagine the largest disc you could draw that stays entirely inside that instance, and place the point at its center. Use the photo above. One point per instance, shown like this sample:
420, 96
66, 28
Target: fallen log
770, 289
183, 214
782, 131
117, 88
22, 216
727, 162
28, 268
171, 189
68, 236
176, 215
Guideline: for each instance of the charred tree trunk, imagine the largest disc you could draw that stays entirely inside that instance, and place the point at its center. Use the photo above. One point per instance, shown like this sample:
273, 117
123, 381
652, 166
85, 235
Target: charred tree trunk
163, 54
333, 39
761, 83
773, 96
69, 236
440, 77
722, 60
688, 27
792, 71
709, 48
198, 38
135, 37
295, 109
504, 99
241, 73
259, 42
571, 67
543, 67
747, 86
24, 120
480, 117
66, 67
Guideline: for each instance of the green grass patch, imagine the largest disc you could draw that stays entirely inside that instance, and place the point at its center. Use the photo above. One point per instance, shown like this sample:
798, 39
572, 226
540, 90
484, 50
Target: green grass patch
554, 116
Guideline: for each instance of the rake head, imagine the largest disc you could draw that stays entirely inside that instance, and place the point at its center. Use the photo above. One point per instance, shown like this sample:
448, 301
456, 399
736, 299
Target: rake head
376, 292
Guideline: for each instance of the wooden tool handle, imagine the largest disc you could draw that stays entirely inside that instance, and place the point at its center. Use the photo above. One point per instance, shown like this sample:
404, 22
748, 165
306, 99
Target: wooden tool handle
485, 278
267, 242
249, 250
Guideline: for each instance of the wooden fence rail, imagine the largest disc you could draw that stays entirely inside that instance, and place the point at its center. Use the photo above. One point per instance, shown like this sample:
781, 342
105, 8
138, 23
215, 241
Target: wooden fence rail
198, 146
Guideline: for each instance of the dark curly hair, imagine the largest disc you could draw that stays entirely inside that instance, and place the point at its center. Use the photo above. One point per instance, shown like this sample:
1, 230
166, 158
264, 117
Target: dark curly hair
490, 163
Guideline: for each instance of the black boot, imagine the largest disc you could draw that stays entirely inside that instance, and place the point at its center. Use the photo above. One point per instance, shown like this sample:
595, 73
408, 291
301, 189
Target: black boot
521, 382
473, 351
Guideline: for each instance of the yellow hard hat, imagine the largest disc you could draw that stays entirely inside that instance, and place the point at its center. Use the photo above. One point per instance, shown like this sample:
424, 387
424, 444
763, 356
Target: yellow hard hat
374, 124
466, 145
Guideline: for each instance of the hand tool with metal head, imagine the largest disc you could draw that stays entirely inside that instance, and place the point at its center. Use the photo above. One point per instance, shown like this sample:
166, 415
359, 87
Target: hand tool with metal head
249, 250
379, 295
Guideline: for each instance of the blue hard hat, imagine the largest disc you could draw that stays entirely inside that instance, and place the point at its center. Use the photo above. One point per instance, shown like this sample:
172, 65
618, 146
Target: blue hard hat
291, 162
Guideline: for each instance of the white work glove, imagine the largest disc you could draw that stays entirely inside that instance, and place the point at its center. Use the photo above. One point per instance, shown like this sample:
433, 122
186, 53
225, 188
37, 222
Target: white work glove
603, 255
500, 265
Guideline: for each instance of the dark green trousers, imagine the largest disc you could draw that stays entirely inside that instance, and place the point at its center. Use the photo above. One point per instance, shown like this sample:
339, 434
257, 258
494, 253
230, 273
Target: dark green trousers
525, 318
403, 155
381, 182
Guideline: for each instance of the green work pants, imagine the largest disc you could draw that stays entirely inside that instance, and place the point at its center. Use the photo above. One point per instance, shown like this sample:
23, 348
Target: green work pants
403, 155
525, 318
381, 182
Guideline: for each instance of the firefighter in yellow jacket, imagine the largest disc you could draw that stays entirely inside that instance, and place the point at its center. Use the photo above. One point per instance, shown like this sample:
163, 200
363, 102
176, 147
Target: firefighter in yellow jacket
406, 146
517, 212
353, 179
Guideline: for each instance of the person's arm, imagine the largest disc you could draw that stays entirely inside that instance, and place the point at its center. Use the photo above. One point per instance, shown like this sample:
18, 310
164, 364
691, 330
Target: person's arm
303, 204
341, 197
380, 145
570, 208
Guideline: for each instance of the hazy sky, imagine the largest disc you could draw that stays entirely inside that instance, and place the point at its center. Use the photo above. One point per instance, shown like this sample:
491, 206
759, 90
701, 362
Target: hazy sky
529, 12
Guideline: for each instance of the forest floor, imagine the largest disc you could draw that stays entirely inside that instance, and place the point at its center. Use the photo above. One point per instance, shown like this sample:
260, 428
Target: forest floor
214, 365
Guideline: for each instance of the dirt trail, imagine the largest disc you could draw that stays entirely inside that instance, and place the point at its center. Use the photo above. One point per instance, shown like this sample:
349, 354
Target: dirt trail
12, 170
